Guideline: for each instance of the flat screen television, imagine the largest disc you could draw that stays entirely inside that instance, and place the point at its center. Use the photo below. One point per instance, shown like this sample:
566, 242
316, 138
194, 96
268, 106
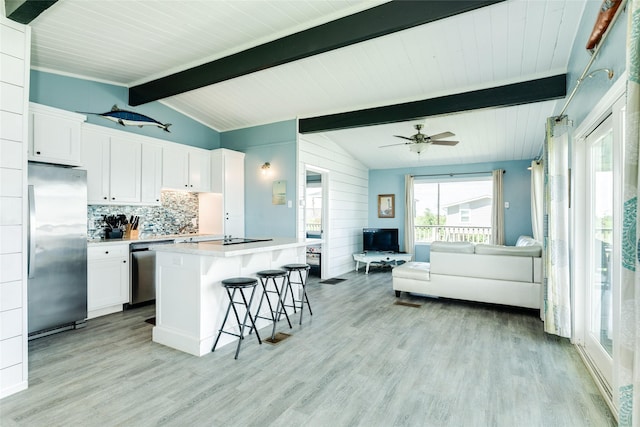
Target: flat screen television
380, 240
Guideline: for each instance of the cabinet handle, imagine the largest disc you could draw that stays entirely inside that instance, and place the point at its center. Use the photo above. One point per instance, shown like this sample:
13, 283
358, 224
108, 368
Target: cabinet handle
113, 198
157, 200
191, 185
105, 197
37, 152
124, 261
106, 252
186, 185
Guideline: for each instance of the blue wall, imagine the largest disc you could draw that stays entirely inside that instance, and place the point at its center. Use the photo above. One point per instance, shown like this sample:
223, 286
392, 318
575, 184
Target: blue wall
612, 55
274, 143
517, 191
73, 94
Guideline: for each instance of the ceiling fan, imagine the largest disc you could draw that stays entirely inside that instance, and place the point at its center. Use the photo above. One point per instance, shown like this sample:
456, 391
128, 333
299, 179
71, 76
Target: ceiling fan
420, 141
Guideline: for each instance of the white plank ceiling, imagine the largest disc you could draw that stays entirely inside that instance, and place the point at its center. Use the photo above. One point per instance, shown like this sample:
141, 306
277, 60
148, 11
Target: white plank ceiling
131, 42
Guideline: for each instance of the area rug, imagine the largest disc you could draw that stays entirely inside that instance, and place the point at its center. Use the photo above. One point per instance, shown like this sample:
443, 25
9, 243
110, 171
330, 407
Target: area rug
332, 281
407, 304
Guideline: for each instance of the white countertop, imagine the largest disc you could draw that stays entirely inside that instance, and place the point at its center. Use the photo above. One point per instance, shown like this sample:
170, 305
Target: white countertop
107, 242
216, 249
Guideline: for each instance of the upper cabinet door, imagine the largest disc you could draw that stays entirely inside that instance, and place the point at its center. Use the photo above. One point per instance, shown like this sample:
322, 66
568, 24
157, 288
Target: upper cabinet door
234, 184
125, 158
55, 136
199, 171
175, 168
95, 158
151, 179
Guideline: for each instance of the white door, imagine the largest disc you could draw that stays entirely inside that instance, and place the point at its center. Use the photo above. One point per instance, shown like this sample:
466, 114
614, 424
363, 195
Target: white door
601, 240
599, 338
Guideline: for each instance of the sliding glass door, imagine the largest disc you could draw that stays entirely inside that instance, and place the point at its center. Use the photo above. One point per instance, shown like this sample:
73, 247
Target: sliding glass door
600, 242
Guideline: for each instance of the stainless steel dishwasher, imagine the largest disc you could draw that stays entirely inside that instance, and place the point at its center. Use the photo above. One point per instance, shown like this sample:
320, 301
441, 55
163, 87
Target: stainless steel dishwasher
143, 271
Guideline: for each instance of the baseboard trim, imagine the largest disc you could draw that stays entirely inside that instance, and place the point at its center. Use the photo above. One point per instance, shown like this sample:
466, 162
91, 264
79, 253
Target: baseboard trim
601, 383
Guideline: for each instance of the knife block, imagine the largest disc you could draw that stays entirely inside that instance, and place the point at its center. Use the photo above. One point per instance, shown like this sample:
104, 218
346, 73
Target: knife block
131, 234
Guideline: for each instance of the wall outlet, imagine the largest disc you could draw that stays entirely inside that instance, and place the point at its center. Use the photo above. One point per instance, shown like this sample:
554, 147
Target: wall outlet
506, 205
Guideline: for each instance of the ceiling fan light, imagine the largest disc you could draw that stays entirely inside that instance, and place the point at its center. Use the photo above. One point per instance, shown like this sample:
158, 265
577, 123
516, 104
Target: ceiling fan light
419, 147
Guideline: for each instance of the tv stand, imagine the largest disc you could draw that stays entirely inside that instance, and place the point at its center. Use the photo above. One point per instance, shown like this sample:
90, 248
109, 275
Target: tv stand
379, 258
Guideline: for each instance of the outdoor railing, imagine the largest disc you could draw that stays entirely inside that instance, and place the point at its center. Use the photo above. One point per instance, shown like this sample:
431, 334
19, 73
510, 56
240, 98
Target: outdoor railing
313, 227
451, 233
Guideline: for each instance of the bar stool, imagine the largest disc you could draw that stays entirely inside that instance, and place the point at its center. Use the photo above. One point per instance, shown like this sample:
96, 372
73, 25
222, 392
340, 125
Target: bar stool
291, 270
265, 276
231, 286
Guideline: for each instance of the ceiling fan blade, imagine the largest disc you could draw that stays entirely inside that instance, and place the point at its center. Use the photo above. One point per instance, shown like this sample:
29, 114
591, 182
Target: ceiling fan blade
404, 137
442, 135
450, 143
393, 145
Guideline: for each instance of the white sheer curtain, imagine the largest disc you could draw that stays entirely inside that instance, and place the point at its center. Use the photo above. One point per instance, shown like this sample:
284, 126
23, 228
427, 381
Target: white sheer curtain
627, 364
537, 198
409, 211
557, 284
497, 211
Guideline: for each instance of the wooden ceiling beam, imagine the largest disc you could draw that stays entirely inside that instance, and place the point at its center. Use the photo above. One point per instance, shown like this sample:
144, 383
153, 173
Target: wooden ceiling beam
30, 10
371, 23
544, 89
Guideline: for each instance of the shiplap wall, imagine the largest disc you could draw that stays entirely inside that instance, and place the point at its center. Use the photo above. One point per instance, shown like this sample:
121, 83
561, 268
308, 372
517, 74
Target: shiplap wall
348, 185
14, 90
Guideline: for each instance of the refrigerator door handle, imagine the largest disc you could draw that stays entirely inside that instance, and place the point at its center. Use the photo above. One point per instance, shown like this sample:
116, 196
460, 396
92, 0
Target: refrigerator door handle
31, 232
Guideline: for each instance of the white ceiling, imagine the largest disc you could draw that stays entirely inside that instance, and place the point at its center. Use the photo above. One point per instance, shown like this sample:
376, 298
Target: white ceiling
132, 42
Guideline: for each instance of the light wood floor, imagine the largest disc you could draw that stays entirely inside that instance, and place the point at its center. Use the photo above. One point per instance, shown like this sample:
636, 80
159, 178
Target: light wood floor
359, 361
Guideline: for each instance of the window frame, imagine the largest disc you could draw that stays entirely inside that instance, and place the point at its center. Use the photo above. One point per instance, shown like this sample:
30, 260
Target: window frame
438, 181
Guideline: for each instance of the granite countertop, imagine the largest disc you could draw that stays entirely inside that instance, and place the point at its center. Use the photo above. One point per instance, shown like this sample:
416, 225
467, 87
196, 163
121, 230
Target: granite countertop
178, 237
216, 249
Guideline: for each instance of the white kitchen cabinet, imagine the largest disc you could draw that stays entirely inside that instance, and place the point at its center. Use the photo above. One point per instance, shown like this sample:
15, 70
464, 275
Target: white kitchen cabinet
151, 174
125, 176
95, 158
107, 278
185, 168
227, 172
114, 163
54, 135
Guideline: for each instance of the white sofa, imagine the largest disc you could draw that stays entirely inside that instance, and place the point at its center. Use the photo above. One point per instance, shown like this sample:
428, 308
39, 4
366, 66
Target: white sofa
509, 275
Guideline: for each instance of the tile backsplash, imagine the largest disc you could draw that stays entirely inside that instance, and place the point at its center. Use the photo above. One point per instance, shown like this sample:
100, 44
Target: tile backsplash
177, 214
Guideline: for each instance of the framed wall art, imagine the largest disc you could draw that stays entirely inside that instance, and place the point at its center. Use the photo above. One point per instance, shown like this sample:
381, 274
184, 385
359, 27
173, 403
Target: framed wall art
386, 205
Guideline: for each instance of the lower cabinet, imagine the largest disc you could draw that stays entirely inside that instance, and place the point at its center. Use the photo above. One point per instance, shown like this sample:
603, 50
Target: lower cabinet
107, 279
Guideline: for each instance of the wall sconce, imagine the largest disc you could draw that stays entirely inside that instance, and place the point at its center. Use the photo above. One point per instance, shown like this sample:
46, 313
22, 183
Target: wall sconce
265, 168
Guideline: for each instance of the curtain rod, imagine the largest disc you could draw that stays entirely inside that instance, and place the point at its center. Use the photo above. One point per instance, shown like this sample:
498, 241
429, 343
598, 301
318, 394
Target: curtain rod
458, 173
593, 58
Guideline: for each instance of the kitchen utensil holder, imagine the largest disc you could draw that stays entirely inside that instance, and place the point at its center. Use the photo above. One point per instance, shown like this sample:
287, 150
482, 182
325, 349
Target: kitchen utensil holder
115, 233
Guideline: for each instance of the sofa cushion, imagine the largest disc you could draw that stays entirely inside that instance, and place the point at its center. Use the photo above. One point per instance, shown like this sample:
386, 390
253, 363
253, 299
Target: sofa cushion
498, 267
455, 247
531, 251
412, 270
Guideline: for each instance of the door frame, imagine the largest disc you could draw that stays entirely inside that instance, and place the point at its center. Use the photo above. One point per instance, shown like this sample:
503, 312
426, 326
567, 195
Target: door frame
612, 104
325, 229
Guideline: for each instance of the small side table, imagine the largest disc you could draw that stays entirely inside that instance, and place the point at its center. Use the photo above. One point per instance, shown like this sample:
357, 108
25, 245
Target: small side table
379, 258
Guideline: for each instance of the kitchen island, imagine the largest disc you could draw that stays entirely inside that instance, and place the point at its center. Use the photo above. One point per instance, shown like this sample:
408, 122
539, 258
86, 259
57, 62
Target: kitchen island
190, 300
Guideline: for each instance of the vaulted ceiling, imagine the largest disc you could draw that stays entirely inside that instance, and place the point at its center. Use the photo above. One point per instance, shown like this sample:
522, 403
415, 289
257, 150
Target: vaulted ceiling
139, 43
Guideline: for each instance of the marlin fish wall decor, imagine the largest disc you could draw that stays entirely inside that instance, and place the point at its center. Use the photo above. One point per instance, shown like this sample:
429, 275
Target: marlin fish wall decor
130, 118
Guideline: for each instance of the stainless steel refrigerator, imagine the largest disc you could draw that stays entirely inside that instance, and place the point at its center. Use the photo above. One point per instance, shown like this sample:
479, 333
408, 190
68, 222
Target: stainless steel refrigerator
57, 248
